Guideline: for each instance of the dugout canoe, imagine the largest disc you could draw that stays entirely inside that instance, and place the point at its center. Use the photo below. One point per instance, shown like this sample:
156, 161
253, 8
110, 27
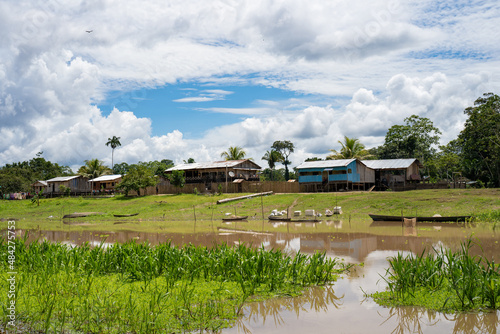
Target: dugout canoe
420, 218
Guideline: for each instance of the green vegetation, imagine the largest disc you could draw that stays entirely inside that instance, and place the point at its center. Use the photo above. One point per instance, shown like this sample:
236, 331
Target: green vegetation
137, 288
443, 281
138, 177
351, 148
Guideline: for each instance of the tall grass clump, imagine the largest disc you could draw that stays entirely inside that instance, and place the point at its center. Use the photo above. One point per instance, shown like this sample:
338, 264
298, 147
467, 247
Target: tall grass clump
443, 281
139, 288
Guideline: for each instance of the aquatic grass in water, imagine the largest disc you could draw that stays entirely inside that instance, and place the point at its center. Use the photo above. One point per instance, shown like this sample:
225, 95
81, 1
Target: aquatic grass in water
444, 281
144, 289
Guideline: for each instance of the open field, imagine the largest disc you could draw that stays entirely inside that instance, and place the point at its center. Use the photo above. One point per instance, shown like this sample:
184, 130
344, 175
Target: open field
156, 213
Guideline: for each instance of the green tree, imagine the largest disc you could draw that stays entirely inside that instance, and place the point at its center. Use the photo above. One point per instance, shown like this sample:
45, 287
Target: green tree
480, 140
416, 139
285, 148
351, 148
446, 162
177, 179
138, 177
121, 168
114, 142
272, 157
233, 153
94, 168
189, 161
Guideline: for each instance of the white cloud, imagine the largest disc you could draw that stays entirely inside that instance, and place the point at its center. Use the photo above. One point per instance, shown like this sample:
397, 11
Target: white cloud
387, 59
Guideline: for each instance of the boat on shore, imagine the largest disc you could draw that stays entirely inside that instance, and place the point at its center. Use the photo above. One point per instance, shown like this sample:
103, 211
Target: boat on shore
233, 218
126, 215
80, 214
292, 220
389, 218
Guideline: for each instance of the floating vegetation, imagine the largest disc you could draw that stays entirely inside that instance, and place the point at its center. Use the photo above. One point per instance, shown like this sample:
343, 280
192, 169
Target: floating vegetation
138, 288
444, 281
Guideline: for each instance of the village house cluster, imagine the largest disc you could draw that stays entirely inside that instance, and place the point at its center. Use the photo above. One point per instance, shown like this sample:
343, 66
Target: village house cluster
313, 176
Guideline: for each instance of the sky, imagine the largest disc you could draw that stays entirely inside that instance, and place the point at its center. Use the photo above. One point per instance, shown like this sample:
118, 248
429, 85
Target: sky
188, 79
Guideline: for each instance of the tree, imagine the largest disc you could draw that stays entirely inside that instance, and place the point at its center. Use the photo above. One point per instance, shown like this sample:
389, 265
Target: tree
285, 148
446, 162
415, 139
351, 148
233, 153
177, 178
121, 168
94, 168
189, 161
138, 177
114, 143
480, 140
272, 157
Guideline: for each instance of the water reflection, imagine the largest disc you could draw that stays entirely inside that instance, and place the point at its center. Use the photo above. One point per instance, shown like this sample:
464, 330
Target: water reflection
344, 309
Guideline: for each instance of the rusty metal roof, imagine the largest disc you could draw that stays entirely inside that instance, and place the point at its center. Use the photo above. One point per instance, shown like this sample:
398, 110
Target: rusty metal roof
391, 163
213, 165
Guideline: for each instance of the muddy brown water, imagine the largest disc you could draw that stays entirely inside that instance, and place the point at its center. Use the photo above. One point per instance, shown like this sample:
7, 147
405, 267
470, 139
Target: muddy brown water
342, 307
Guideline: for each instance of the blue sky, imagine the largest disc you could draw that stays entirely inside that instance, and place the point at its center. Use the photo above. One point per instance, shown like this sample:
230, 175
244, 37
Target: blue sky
178, 79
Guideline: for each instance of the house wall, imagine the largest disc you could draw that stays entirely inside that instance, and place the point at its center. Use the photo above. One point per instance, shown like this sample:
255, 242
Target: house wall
337, 174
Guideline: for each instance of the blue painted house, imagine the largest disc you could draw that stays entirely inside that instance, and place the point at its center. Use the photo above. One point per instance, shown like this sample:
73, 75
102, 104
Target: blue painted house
334, 175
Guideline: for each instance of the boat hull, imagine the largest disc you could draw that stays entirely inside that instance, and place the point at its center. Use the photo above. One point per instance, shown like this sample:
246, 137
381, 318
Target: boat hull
421, 219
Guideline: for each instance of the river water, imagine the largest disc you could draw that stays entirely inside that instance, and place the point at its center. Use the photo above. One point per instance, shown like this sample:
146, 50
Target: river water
342, 307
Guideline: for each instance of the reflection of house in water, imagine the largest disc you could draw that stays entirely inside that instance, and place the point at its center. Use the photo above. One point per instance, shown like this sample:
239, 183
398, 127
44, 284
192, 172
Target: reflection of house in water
356, 247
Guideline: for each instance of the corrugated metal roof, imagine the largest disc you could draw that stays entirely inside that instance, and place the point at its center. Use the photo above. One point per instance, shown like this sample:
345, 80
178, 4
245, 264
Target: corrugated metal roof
325, 163
211, 165
390, 163
63, 178
106, 178
44, 183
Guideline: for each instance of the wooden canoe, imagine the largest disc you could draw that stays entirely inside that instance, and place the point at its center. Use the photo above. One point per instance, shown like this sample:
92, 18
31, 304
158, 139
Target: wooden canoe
420, 219
232, 218
127, 215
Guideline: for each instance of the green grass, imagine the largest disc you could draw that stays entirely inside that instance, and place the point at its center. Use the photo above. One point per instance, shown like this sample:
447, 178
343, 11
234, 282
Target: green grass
443, 281
139, 288
176, 210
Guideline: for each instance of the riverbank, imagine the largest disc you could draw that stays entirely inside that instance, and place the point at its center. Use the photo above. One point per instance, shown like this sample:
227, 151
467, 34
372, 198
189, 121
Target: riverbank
154, 211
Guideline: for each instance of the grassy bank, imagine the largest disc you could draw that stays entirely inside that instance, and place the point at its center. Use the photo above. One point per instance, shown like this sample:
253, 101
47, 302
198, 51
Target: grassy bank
154, 212
444, 281
137, 288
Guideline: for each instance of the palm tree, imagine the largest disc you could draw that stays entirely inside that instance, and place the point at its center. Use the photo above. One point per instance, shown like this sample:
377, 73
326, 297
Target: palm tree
233, 153
351, 148
114, 142
94, 168
272, 158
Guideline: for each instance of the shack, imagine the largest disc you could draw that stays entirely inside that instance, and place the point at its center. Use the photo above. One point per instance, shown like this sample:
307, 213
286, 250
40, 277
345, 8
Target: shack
77, 184
219, 171
105, 183
395, 173
335, 175
39, 186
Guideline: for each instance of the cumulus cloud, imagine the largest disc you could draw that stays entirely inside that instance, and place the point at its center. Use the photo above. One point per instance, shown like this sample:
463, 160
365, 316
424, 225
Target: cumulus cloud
367, 65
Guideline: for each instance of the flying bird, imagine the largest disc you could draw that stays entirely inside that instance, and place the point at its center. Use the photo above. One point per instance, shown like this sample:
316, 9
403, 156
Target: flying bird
89, 31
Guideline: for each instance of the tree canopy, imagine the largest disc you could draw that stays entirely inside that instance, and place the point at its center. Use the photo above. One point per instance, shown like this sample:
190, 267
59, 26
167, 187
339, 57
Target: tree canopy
138, 177
480, 140
285, 148
94, 168
114, 142
233, 153
272, 157
351, 148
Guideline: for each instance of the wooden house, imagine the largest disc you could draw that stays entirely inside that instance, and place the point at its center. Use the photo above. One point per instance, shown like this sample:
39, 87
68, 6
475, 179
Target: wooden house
105, 183
77, 184
335, 175
39, 186
391, 173
219, 171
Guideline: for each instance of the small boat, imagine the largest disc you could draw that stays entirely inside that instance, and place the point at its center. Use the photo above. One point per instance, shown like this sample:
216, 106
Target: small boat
420, 219
232, 218
293, 220
279, 218
80, 214
127, 215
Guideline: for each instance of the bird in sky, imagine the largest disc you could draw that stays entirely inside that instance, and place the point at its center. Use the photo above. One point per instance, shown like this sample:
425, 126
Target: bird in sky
89, 31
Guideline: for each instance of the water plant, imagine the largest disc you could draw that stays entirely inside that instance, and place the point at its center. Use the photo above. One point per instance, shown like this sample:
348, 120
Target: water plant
141, 288
443, 280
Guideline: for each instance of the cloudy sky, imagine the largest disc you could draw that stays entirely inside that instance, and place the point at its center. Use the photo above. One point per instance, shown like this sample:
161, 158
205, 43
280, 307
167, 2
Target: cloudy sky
181, 79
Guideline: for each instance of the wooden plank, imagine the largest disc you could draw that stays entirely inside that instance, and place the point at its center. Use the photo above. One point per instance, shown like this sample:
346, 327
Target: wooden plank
243, 197
370, 190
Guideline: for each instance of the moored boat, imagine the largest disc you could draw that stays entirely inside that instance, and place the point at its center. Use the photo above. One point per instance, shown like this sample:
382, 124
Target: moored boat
389, 218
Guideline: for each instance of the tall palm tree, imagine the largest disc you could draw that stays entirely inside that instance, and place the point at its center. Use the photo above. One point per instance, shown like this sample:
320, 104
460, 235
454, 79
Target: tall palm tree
272, 158
234, 153
94, 168
114, 142
351, 148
